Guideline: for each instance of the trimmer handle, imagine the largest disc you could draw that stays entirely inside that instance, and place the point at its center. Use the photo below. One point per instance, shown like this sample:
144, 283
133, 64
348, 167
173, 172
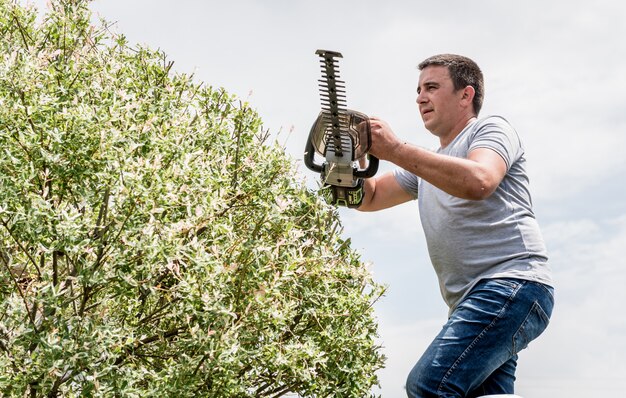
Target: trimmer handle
370, 170
309, 155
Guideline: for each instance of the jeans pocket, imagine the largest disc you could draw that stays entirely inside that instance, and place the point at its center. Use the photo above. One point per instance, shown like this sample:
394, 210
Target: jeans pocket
535, 323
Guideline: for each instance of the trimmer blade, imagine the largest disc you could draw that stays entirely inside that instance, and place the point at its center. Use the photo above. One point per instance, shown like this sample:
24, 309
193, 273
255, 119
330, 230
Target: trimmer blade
333, 98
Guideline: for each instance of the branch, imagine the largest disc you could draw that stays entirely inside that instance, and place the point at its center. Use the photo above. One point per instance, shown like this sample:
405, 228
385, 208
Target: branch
57, 383
99, 230
55, 267
153, 315
236, 166
22, 31
83, 303
87, 290
22, 248
282, 390
28, 117
19, 143
129, 350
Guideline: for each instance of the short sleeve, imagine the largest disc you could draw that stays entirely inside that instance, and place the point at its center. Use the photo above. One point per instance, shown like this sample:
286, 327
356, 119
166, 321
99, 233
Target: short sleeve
497, 134
408, 181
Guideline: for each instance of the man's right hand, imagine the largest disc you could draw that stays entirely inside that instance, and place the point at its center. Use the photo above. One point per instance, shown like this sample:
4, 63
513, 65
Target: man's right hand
384, 140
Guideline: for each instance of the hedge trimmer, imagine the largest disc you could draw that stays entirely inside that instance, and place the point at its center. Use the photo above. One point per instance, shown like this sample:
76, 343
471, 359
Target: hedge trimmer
339, 140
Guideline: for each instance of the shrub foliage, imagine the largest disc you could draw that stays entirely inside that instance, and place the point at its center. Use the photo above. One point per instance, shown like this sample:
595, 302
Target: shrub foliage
151, 242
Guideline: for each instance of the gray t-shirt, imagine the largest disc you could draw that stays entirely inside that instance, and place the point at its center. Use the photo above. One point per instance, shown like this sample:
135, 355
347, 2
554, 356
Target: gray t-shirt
497, 237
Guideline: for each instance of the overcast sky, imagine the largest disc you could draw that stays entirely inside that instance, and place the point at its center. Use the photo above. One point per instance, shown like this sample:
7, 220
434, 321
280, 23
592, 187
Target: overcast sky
555, 69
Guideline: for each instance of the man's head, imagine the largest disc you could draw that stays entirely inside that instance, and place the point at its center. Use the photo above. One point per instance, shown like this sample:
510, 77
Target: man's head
463, 72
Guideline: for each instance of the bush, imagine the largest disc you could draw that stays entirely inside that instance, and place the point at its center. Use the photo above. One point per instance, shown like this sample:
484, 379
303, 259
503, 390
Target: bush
151, 242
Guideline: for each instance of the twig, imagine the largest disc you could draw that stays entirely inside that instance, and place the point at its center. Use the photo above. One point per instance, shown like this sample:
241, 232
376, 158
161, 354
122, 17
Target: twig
236, 167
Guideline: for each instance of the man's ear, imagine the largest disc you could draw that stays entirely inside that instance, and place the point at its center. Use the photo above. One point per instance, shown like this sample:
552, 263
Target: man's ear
467, 96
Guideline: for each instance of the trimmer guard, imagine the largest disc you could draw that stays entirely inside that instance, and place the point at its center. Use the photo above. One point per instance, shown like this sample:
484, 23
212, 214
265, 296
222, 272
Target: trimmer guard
358, 132
355, 142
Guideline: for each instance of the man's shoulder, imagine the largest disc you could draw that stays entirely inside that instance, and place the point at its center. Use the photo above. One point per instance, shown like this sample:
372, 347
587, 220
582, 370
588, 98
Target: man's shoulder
493, 124
492, 120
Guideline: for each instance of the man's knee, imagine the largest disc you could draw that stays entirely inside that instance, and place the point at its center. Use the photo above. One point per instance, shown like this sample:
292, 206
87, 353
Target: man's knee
420, 383
423, 383
414, 385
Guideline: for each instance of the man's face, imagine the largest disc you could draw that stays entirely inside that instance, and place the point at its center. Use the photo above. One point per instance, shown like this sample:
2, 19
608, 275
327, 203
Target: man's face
437, 101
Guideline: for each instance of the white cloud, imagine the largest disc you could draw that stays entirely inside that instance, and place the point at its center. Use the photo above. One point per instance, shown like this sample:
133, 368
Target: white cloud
398, 226
580, 355
403, 344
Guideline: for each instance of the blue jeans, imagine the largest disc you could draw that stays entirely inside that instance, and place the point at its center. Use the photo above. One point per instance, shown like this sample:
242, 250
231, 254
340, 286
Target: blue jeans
476, 351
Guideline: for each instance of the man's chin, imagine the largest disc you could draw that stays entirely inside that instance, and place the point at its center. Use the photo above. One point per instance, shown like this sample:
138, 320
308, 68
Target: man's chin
428, 124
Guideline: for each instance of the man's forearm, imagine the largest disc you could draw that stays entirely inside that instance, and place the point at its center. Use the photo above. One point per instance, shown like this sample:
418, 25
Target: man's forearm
463, 178
383, 192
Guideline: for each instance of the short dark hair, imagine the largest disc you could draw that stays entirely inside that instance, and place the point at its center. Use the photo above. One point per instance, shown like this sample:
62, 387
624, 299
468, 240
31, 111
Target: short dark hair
463, 72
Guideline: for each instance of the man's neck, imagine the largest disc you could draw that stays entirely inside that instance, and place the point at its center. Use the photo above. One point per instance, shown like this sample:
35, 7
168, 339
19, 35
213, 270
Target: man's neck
445, 140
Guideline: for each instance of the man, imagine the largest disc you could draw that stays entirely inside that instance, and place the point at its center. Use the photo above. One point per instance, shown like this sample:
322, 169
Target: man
482, 236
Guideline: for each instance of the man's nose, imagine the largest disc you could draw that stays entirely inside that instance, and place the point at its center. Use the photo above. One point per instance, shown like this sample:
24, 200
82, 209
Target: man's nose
421, 98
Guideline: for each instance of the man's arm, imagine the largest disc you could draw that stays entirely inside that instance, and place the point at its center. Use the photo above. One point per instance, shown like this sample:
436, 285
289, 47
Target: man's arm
474, 178
383, 192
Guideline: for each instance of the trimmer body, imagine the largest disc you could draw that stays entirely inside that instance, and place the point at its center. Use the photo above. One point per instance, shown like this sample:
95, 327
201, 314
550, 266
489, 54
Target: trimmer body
339, 140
